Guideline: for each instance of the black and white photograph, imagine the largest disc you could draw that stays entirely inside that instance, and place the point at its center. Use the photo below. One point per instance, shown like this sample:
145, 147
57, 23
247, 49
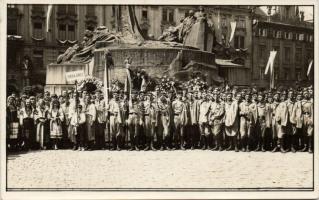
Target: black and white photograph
199, 98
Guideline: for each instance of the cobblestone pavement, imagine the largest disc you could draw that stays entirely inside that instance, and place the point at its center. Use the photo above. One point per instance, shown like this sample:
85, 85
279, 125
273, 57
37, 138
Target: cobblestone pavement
159, 169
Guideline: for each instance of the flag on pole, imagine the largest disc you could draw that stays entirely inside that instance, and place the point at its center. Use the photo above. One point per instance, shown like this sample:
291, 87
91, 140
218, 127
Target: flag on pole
218, 20
128, 80
233, 28
48, 17
270, 62
91, 67
309, 67
270, 67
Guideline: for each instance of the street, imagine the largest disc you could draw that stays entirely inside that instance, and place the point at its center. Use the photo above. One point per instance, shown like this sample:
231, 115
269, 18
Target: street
159, 169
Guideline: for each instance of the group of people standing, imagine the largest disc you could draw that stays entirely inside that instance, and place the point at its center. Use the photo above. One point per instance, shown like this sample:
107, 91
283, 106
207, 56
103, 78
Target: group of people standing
215, 119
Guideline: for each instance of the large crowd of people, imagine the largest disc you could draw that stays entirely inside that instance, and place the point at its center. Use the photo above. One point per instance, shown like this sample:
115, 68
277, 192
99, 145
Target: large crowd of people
214, 119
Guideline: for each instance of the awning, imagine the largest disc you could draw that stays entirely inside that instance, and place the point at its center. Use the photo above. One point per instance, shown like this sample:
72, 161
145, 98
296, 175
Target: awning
227, 63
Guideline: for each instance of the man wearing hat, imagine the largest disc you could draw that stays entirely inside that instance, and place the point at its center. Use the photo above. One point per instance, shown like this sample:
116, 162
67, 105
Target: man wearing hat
194, 111
297, 120
204, 109
77, 122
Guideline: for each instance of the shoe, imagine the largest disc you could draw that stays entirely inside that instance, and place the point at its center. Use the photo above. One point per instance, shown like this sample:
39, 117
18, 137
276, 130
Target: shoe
136, 148
263, 149
74, 148
236, 149
303, 149
161, 149
118, 148
310, 150
146, 148
229, 148
275, 149
153, 148
282, 150
168, 149
243, 149
182, 148
131, 149
192, 148
220, 149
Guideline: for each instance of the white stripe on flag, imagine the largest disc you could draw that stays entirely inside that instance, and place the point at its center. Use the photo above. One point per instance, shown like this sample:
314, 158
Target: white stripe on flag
309, 67
233, 28
270, 60
48, 17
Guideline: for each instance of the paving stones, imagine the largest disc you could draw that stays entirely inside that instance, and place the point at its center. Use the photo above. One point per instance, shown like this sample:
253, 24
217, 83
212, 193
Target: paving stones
160, 169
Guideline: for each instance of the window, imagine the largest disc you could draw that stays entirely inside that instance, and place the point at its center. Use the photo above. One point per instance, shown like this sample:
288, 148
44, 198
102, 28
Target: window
290, 36
90, 10
66, 9
311, 38
113, 11
62, 9
168, 15
278, 34
287, 54
262, 32
144, 13
224, 22
239, 42
62, 32
38, 59
298, 74
301, 37
286, 74
240, 22
71, 32
277, 58
262, 51
71, 9
37, 8
38, 29
12, 20
298, 56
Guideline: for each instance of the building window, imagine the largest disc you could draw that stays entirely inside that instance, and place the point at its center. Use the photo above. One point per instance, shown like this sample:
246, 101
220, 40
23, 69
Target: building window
240, 22
286, 74
287, 54
144, 13
37, 8
311, 38
298, 74
262, 51
38, 59
239, 42
38, 29
301, 37
298, 56
62, 9
168, 15
277, 49
90, 10
262, 32
223, 22
12, 20
71, 9
71, 32
278, 34
62, 32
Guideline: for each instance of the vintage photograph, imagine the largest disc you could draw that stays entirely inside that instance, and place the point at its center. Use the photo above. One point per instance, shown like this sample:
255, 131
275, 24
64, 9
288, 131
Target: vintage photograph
202, 98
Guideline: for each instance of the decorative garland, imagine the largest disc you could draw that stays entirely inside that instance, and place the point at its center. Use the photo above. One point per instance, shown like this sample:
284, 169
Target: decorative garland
90, 84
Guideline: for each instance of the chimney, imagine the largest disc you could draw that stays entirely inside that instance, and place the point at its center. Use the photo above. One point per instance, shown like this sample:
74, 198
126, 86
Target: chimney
302, 16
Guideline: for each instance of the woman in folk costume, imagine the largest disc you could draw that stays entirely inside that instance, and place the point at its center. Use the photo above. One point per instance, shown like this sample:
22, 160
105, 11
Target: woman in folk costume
42, 125
232, 119
56, 118
216, 119
27, 121
77, 122
90, 114
12, 123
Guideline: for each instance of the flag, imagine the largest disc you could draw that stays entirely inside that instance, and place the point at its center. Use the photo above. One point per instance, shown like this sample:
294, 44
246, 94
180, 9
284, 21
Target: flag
91, 67
270, 67
270, 61
218, 20
48, 17
233, 28
128, 80
309, 67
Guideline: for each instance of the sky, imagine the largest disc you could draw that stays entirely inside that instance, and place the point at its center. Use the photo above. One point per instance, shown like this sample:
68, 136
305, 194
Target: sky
307, 9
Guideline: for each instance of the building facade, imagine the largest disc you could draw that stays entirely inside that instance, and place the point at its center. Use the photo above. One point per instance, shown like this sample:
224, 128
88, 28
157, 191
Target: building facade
32, 43
284, 30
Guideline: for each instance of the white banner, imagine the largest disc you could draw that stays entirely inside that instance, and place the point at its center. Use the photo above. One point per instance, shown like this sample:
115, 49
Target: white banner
233, 28
270, 62
48, 17
309, 67
74, 75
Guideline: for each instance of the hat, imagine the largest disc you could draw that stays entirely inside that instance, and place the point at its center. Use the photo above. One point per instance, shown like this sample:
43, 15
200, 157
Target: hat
32, 97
